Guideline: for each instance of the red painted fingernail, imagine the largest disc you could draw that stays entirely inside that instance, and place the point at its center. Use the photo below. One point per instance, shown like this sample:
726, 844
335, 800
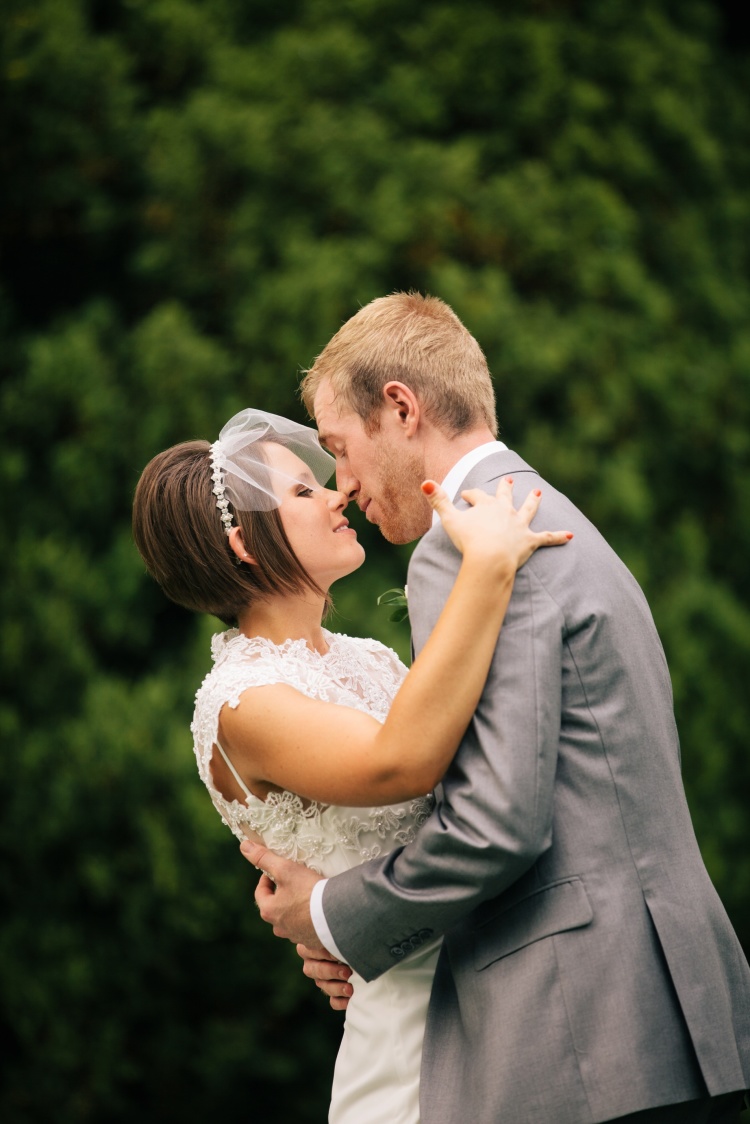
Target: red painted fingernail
569, 535
428, 487
537, 491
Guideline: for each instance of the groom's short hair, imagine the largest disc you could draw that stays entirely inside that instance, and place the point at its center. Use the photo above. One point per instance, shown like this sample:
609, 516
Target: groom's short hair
414, 339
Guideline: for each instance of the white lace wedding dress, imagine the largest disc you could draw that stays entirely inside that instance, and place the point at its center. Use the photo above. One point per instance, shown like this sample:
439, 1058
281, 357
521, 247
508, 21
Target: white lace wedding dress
376, 1079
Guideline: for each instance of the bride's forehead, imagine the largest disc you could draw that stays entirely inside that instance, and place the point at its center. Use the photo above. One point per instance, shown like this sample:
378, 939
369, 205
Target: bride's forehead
285, 460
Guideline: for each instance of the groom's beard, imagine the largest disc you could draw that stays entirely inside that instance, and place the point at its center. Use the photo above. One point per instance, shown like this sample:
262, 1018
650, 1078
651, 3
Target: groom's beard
405, 514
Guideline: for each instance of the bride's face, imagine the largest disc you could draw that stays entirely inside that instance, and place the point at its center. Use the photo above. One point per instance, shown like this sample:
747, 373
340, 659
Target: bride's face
313, 519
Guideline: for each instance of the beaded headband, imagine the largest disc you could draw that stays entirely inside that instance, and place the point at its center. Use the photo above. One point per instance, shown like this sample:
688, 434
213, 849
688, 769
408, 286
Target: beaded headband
217, 476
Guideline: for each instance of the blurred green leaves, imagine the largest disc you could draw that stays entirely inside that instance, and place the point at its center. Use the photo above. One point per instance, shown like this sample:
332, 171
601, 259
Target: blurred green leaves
395, 600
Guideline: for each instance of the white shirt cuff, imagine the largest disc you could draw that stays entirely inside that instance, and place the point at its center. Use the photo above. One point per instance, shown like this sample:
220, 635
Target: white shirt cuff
319, 920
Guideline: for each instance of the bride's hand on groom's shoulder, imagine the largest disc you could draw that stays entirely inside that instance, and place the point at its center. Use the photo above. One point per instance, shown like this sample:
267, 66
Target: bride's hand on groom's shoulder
330, 975
491, 528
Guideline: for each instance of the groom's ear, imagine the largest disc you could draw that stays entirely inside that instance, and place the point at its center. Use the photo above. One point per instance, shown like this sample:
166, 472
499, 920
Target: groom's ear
402, 406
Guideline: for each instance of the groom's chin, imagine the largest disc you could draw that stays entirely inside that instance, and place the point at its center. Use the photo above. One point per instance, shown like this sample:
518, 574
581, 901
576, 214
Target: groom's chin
401, 533
397, 538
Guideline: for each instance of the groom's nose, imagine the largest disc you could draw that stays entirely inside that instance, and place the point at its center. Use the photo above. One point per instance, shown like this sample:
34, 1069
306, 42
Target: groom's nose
347, 483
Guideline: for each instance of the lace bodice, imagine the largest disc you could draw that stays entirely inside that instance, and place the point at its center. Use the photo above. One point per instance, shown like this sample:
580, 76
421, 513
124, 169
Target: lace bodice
363, 674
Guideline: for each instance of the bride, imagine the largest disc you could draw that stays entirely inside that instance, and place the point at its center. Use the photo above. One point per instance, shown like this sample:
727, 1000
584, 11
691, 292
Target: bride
317, 744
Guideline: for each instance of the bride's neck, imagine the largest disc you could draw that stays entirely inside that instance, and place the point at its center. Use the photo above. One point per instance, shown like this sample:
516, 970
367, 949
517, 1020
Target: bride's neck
287, 618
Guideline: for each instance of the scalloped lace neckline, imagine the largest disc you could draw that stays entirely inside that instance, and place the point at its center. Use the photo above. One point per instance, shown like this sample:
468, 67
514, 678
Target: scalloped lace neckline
222, 641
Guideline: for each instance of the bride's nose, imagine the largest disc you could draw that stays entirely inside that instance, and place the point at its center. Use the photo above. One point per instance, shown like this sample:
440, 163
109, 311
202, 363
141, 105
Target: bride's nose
337, 500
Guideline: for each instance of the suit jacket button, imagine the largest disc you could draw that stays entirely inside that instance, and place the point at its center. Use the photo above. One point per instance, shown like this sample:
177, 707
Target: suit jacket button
425, 933
397, 951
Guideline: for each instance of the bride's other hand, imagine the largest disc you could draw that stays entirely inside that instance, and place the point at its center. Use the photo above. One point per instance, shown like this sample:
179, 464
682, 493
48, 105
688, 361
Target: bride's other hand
491, 528
330, 975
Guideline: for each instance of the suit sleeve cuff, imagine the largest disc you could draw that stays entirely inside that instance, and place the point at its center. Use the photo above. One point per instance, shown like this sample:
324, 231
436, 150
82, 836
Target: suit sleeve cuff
319, 920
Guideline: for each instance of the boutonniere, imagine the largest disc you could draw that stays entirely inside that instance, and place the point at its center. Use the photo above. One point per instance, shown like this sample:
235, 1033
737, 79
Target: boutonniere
397, 600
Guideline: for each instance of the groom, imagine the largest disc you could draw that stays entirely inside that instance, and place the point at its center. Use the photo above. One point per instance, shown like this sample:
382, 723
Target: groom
589, 971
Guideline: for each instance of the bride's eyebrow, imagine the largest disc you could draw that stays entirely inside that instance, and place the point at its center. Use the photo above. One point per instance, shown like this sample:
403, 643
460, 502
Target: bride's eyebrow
305, 477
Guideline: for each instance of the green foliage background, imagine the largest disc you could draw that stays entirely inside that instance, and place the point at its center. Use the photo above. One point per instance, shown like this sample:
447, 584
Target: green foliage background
195, 194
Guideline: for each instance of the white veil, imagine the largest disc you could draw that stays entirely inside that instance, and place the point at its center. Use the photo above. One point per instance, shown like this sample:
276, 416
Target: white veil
242, 472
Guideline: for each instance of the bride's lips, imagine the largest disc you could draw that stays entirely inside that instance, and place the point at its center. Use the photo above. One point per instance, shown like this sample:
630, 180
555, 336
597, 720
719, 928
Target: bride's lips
343, 526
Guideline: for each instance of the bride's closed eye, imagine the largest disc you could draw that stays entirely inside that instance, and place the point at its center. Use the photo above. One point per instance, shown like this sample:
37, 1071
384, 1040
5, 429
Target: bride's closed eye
305, 492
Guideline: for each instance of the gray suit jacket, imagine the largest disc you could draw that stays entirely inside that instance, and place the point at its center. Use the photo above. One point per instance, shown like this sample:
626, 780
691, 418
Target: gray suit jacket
589, 969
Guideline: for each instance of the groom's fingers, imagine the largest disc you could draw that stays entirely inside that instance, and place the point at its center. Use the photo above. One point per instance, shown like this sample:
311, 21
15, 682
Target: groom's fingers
339, 1004
320, 965
267, 862
318, 954
338, 993
329, 974
253, 852
266, 887
335, 990
331, 978
265, 893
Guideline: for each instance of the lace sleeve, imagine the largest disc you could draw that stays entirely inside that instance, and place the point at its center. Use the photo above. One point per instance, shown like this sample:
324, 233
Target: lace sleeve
383, 663
233, 673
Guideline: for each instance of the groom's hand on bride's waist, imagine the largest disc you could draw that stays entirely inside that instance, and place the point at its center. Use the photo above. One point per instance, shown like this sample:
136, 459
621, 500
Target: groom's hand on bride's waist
283, 894
330, 975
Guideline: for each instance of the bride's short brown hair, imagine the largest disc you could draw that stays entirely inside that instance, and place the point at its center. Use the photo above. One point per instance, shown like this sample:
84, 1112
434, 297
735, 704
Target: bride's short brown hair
178, 531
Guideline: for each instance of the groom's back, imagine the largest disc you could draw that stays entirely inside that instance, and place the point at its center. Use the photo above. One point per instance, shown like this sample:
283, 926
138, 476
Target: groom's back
607, 977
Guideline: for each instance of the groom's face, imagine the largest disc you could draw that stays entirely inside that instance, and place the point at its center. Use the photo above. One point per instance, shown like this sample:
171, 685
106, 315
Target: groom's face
377, 470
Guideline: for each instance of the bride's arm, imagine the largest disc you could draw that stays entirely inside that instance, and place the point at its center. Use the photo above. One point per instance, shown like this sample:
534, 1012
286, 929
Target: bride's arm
337, 755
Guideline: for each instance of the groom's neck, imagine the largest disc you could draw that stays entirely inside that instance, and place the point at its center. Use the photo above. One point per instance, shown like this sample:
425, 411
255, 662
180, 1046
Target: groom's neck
442, 451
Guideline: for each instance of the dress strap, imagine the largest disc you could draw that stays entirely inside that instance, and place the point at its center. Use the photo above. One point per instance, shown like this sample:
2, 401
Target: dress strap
232, 770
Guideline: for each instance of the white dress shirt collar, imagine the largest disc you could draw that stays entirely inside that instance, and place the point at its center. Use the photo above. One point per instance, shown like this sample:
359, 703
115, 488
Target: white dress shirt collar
462, 468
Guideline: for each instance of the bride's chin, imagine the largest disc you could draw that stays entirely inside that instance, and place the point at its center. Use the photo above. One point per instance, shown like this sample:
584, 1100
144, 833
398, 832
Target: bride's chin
350, 569
357, 562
